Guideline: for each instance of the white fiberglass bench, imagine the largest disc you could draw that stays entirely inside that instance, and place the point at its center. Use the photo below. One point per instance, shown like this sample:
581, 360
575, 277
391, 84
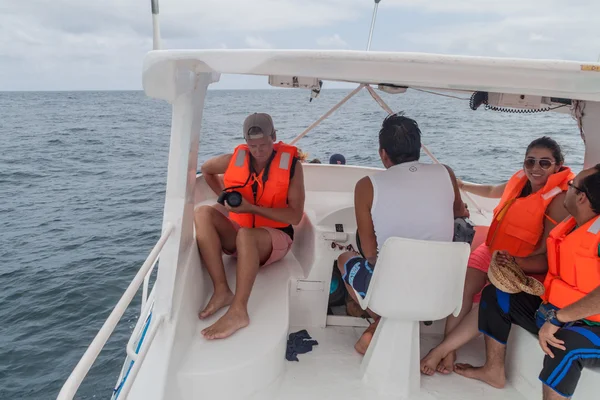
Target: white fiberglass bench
524, 361
413, 281
253, 357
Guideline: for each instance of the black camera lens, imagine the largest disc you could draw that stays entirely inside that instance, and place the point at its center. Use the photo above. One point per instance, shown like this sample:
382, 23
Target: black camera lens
234, 199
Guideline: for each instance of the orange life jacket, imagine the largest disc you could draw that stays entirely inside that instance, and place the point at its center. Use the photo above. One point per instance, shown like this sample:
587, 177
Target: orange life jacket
573, 263
518, 223
271, 190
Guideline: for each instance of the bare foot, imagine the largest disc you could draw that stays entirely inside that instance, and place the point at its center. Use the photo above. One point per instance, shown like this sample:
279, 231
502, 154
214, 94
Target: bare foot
363, 343
219, 299
447, 365
495, 378
431, 361
233, 320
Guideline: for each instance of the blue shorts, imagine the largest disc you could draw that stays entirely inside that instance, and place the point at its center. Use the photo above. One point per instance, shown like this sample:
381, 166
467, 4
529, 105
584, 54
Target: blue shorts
357, 274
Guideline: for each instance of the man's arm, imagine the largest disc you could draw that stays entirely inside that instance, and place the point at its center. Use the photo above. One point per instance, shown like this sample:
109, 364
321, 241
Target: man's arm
581, 309
292, 214
363, 201
535, 264
211, 170
460, 208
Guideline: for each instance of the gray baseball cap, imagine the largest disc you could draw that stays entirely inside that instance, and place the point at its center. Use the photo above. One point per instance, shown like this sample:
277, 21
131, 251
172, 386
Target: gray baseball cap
259, 120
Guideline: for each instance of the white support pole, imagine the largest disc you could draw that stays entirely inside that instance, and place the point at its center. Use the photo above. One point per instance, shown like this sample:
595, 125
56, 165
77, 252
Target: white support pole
145, 288
156, 45
328, 113
188, 108
590, 123
373, 24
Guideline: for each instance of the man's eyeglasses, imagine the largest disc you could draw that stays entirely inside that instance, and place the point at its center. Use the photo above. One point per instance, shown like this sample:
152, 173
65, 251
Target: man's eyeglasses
582, 190
543, 163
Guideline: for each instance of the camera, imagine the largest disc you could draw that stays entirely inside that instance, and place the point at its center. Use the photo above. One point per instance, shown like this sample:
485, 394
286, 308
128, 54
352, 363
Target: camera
233, 198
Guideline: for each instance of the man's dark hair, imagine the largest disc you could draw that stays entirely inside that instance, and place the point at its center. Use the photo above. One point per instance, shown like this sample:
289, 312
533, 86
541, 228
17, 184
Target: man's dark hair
400, 137
547, 143
590, 185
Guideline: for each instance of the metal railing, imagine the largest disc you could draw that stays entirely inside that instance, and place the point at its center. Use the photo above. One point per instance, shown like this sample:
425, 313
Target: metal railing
145, 286
137, 358
131, 351
89, 357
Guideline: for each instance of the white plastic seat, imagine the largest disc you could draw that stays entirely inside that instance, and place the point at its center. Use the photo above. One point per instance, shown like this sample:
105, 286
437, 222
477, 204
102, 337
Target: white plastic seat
253, 357
414, 280
524, 361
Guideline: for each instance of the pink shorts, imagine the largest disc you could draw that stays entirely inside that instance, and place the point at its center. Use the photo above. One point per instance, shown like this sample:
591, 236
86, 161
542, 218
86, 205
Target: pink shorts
480, 259
281, 242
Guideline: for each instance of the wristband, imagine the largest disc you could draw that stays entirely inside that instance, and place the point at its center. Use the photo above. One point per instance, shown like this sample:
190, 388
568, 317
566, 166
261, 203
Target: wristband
549, 315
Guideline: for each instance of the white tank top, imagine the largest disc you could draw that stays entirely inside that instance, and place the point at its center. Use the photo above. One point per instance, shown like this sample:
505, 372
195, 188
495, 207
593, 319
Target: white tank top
413, 200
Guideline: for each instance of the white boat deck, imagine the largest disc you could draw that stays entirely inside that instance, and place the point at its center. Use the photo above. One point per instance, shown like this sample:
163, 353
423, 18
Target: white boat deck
176, 363
292, 295
332, 371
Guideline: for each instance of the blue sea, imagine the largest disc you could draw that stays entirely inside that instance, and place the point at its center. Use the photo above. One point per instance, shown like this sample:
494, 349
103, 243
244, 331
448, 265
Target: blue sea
82, 181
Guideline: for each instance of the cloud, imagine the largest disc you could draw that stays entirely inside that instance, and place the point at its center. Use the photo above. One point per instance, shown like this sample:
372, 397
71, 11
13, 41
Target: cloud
512, 28
76, 44
335, 42
544, 36
536, 37
256, 42
505, 7
260, 15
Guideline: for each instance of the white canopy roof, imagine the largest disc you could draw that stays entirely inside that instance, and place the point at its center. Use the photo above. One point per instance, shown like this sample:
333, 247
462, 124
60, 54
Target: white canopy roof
552, 78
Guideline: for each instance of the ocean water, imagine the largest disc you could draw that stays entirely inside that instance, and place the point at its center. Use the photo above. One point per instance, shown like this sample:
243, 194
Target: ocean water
82, 180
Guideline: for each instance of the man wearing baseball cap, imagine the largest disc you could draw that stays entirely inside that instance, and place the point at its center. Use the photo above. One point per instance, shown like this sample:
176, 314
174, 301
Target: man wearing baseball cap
263, 190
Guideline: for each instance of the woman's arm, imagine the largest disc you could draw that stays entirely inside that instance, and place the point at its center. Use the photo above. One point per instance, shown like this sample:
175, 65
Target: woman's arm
491, 191
555, 214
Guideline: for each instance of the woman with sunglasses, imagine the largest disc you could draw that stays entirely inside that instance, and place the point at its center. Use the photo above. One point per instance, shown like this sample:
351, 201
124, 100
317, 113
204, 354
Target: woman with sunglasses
531, 204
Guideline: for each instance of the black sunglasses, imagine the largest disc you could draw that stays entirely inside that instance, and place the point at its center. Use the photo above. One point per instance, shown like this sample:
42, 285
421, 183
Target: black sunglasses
582, 190
543, 162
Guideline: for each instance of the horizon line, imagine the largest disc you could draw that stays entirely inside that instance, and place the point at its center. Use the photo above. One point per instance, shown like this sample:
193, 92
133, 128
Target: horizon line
142, 90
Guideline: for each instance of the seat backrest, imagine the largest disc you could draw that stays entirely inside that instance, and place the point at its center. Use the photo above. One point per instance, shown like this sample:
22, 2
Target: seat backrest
418, 280
303, 247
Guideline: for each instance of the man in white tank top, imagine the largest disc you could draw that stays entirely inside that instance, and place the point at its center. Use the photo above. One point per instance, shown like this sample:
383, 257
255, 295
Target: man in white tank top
409, 199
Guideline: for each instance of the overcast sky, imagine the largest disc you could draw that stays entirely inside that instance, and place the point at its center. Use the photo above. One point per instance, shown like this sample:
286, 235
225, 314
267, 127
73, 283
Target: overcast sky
100, 44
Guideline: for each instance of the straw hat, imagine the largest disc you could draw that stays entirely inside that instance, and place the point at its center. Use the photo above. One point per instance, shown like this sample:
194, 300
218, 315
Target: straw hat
510, 278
